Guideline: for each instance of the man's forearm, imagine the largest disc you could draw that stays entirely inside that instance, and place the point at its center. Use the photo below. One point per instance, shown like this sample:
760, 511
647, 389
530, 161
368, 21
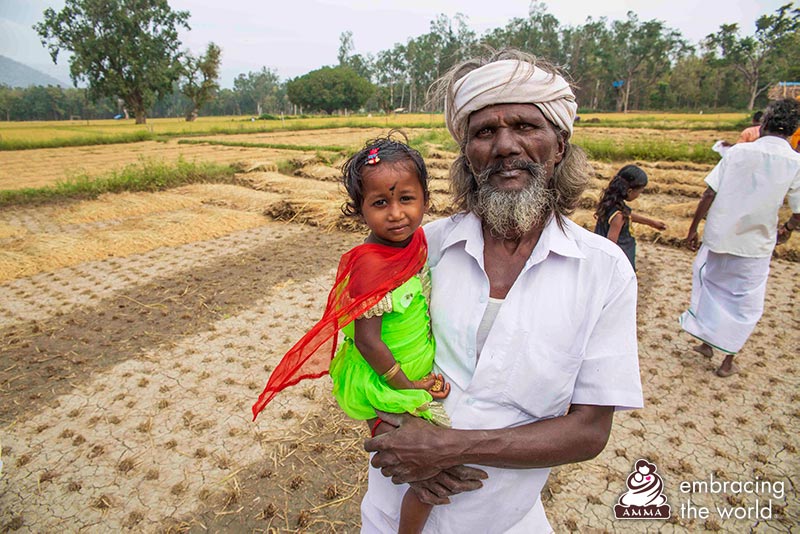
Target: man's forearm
580, 435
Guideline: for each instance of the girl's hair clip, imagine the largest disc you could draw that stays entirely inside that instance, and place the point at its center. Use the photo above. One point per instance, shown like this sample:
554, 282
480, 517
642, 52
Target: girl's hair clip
372, 157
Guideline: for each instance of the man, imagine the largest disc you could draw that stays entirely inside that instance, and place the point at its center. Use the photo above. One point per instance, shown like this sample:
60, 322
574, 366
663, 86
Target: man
752, 133
534, 317
748, 135
745, 191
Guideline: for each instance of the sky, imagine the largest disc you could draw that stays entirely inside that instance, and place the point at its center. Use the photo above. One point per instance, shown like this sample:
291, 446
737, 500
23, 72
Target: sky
296, 36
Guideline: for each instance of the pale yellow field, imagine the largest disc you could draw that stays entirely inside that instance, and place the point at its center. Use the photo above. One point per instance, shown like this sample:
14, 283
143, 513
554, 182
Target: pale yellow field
47, 130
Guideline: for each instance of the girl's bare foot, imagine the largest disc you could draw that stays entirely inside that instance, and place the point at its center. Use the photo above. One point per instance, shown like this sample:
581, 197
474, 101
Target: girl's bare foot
704, 349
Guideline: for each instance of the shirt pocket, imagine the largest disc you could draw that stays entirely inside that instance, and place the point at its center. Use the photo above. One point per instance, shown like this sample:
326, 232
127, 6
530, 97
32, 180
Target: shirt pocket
541, 380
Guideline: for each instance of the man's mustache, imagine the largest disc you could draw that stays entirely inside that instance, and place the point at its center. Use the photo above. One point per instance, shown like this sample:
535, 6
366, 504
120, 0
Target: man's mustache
537, 170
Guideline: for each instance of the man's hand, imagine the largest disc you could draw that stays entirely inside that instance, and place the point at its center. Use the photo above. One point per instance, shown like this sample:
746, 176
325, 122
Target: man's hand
452, 481
693, 240
409, 453
415, 451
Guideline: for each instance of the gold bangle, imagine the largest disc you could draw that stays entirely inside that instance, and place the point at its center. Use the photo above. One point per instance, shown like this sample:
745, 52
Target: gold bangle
393, 370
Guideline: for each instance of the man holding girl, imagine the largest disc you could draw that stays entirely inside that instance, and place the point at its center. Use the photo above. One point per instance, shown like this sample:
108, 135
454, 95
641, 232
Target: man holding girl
534, 317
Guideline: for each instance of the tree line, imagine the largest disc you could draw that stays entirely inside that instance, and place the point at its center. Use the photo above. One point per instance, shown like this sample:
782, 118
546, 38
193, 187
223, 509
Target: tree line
129, 56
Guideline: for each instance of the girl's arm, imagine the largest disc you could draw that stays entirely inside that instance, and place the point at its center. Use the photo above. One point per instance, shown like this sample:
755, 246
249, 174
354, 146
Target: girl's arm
367, 339
658, 225
616, 226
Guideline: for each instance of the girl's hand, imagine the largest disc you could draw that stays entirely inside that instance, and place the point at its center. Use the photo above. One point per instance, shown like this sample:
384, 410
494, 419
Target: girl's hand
659, 225
433, 384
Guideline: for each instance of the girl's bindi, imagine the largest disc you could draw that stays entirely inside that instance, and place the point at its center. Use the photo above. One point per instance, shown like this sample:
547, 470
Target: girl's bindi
393, 188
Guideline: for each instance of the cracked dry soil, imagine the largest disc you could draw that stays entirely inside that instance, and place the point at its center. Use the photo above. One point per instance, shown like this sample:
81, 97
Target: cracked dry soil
126, 384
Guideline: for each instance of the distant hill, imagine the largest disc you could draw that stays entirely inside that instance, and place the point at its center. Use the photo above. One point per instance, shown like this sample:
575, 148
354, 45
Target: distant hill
15, 74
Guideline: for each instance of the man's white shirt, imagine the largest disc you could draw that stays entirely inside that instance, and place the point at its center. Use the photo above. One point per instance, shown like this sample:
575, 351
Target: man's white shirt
565, 334
751, 182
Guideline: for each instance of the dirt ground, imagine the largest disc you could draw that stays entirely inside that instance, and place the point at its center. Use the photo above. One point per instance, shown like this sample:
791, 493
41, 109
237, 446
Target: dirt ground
126, 383
137, 330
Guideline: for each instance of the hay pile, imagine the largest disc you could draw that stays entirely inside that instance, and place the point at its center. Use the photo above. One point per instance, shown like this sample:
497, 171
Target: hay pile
43, 240
306, 200
317, 171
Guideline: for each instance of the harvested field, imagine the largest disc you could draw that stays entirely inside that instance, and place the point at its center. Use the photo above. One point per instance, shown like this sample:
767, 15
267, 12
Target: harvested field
138, 329
707, 137
350, 137
45, 166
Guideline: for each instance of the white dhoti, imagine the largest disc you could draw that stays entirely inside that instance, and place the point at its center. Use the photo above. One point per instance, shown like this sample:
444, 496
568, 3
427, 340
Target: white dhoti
727, 298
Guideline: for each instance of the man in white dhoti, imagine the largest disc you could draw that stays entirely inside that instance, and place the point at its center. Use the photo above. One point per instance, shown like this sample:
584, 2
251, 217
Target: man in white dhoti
745, 191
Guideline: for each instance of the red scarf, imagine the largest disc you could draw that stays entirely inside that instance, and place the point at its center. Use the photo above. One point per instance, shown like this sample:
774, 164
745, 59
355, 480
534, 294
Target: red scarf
366, 274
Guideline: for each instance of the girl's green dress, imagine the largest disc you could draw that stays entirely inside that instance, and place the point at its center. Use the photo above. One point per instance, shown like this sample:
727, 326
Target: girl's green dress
406, 330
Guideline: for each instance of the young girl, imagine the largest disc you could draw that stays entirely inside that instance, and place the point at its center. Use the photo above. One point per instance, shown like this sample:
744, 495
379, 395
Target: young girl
614, 216
380, 302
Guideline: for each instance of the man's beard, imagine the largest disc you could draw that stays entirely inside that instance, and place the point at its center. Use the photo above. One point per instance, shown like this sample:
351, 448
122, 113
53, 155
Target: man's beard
512, 213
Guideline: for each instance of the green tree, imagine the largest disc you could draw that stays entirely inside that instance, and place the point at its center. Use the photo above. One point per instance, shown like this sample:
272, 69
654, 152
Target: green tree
8, 101
260, 92
226, 103
200, 79
642, 53
587, 50
363, 65
430, 55
391, 72
539, 34
330, 89
122, 48
346, 47
762, 57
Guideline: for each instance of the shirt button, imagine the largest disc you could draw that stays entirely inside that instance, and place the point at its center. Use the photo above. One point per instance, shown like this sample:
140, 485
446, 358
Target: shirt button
470, 401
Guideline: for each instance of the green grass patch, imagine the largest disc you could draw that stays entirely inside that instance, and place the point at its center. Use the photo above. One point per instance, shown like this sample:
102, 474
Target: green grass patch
82, 140
656, 150
665, 121
286, 167
598, 148
438, 137
147, 176
280, 146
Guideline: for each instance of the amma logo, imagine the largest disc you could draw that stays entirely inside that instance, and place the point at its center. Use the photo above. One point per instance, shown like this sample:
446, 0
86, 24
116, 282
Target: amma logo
645, 497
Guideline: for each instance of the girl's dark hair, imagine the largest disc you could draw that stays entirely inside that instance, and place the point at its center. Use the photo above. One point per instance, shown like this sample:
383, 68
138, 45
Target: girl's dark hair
781, 117
627, 178
389, 151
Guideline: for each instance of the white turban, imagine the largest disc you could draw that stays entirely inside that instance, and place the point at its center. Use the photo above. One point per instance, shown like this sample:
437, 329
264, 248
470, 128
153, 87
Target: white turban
510, 82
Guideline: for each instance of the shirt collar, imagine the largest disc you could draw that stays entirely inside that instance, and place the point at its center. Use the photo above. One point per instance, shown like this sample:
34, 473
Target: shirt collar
468, 230
553, 239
